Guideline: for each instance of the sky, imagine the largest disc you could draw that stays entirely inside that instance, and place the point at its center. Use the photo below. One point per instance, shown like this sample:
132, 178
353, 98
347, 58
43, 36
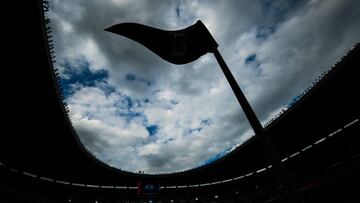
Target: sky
137, 112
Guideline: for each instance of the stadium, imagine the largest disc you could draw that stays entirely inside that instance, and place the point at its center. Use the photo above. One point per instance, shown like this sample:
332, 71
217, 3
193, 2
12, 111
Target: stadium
318, 147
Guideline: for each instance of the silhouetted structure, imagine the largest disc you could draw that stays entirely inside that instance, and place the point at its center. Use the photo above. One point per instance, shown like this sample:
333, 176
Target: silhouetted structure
42, 159
186, 45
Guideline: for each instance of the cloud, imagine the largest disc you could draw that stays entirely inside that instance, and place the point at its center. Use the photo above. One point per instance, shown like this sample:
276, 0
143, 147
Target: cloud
137, 112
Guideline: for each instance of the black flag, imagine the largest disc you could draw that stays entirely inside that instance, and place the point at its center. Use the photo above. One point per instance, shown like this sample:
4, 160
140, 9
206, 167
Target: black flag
178, 47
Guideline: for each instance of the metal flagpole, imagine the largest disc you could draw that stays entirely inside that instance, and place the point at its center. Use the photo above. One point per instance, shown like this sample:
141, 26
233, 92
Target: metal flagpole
266, 144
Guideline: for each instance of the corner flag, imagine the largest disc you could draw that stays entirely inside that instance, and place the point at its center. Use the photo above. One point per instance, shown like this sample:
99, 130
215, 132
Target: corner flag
178, 47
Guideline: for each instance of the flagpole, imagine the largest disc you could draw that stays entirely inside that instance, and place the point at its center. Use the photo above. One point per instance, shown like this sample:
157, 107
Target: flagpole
270, 151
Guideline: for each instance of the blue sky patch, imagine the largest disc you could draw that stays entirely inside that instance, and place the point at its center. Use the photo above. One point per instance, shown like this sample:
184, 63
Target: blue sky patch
206, 122
217, 156
130, 115
183, 14
152, 129
250, 59
128, 102
191, 130
203, 124
293, 101
174, 101
133, 78
264, 32
127, 108
81, 75
106, 88
130, 77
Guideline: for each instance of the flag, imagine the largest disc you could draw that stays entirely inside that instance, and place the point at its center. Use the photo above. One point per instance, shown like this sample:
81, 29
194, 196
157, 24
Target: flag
178, 47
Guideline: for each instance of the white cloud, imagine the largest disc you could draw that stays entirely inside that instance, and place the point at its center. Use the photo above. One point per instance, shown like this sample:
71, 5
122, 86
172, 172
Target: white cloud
192, 106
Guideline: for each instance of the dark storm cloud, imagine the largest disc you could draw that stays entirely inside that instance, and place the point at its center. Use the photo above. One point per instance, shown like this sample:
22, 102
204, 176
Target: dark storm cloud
91, 140
303, 48
159, 160
90, 18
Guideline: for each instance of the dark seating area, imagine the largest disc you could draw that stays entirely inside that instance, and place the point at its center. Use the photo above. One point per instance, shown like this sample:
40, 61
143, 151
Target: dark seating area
327, 172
